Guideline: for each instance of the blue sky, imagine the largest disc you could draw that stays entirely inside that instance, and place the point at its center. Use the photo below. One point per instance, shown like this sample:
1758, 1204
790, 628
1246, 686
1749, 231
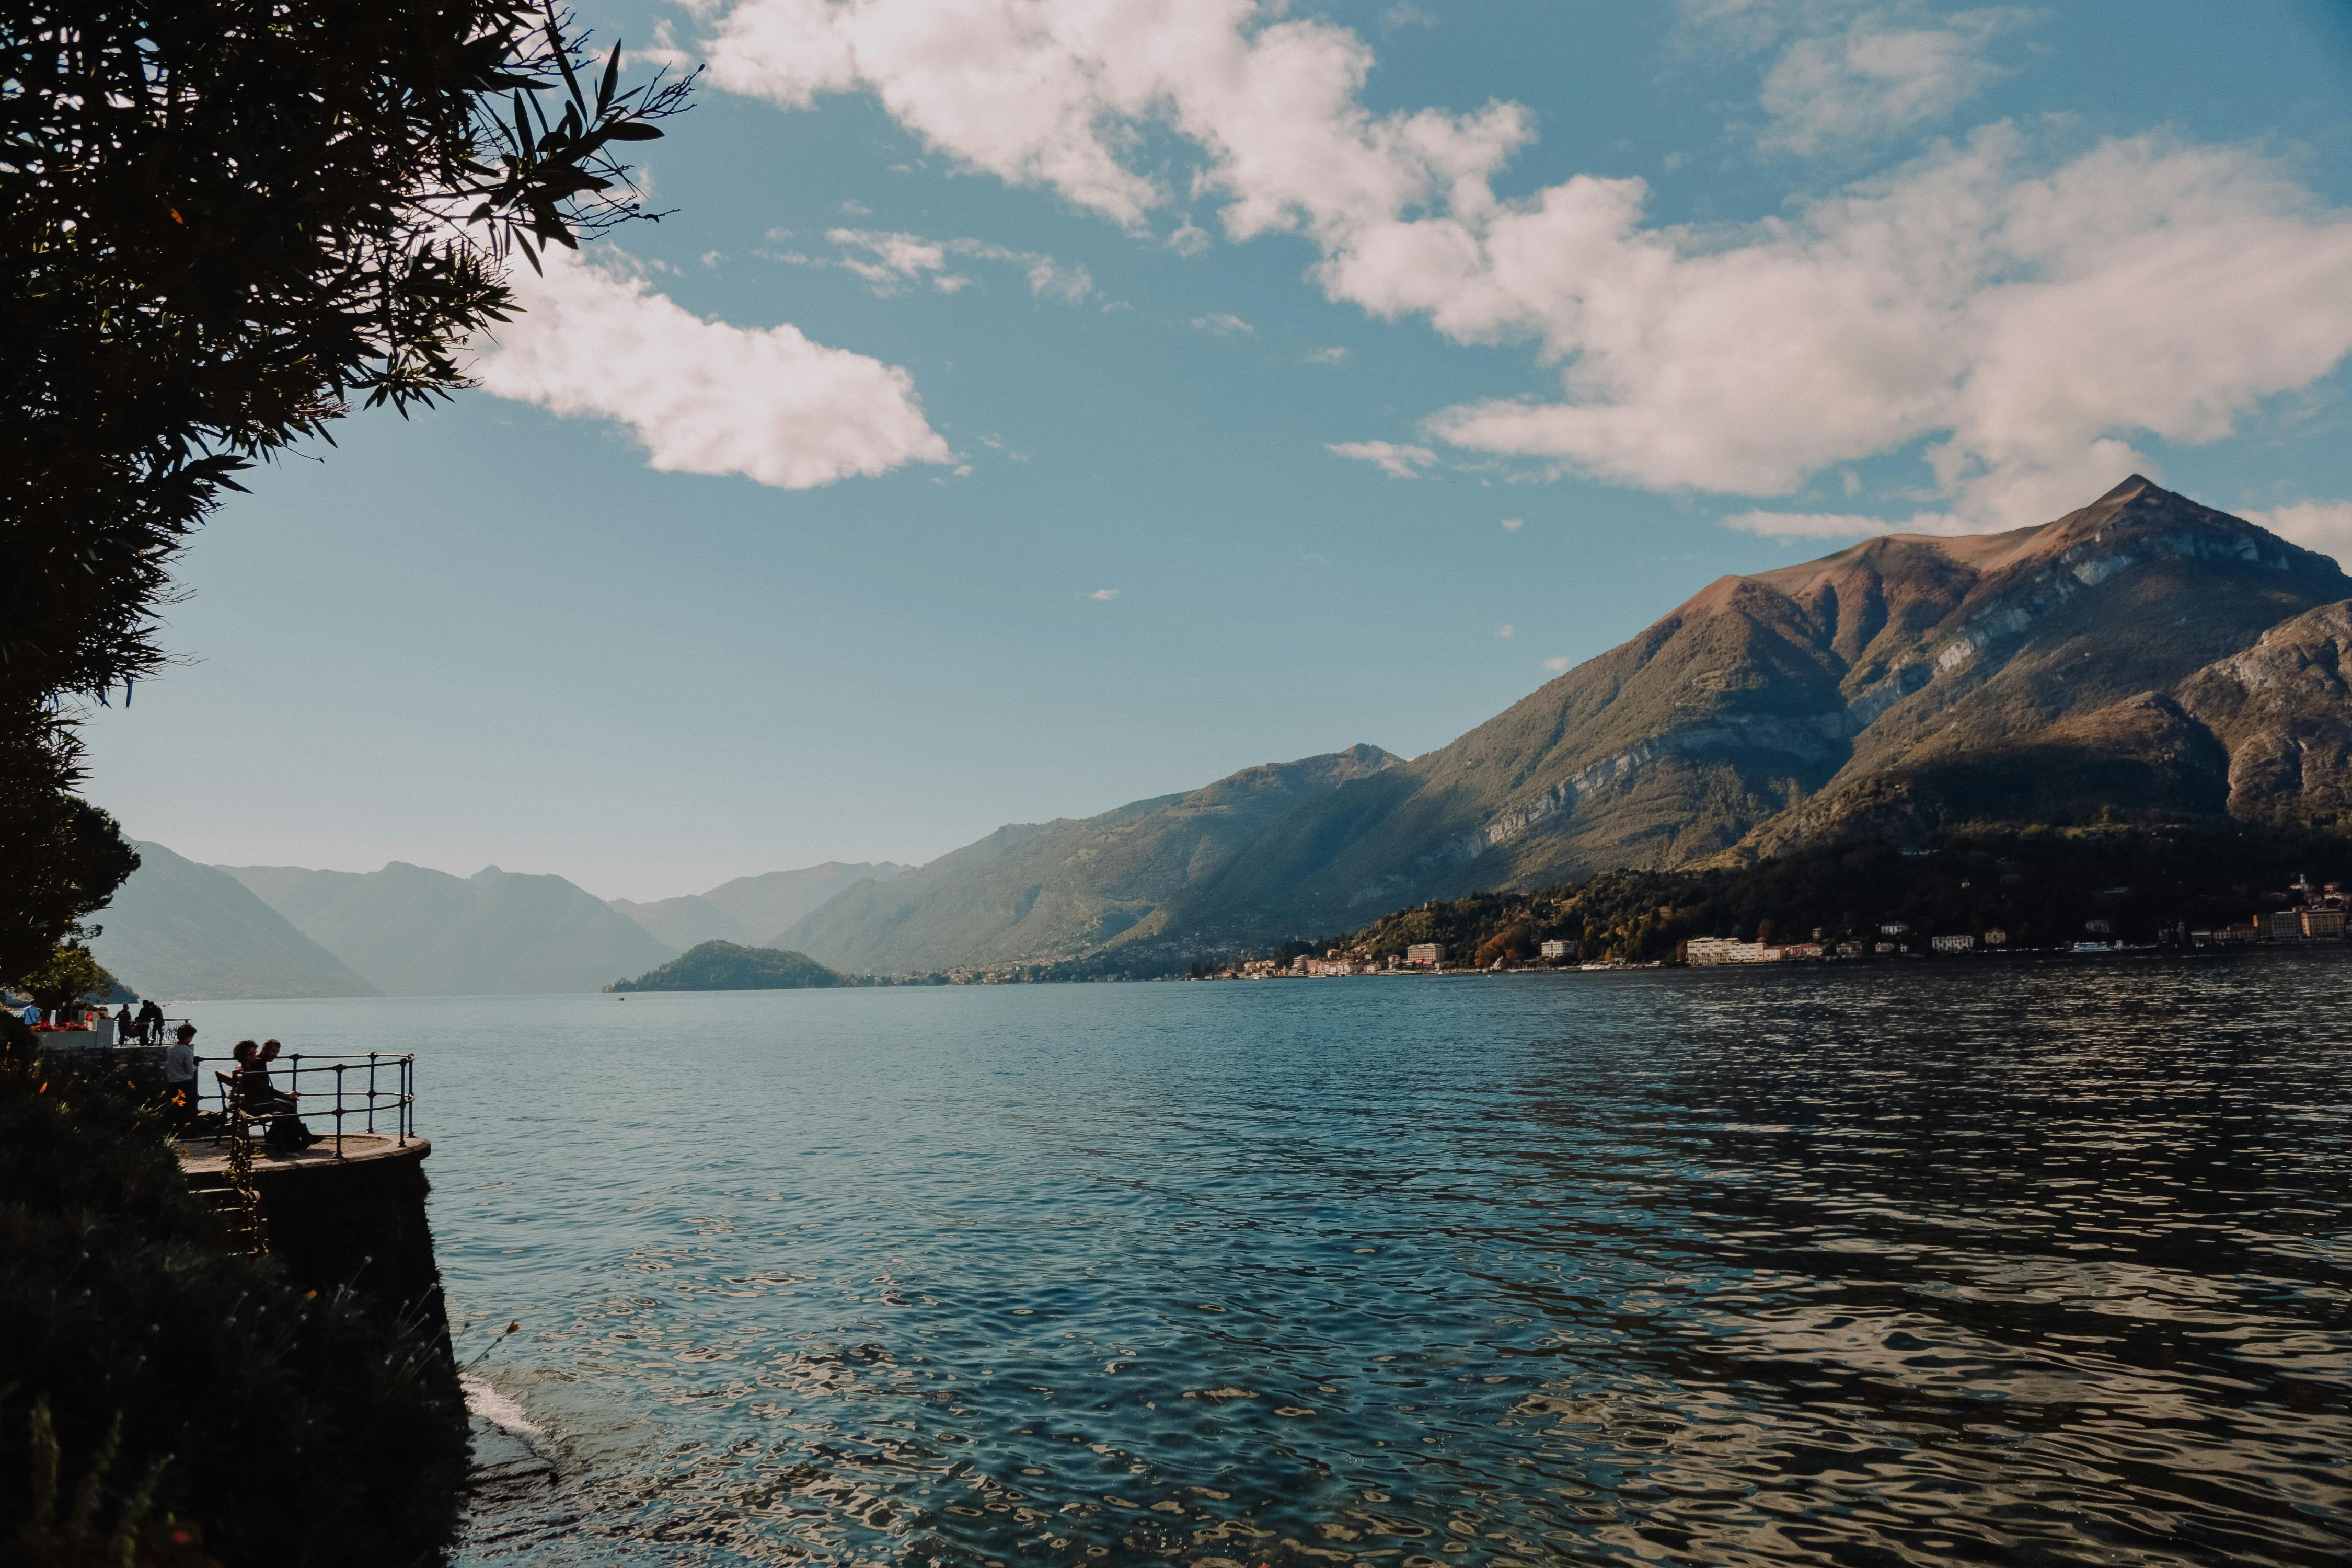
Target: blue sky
1032, 407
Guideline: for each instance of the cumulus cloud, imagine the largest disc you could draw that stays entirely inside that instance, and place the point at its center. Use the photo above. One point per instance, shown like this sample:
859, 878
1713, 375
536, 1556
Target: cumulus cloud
1103, 595
1224, 324
2322, 525
887, 260
1504, 631
1399, 462
702, 396
1513, 524
2018, 309
1327, 356
1556, 665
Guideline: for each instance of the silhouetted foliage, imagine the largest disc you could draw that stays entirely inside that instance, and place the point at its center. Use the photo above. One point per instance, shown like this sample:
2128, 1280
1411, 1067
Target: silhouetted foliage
220, 223
290, 1427
69, 977
60, 856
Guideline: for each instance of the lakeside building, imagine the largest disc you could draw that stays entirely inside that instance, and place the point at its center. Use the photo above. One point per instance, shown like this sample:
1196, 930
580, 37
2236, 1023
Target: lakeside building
1996, 937
1557, 948
1953, 944
1425, 954
1722, 950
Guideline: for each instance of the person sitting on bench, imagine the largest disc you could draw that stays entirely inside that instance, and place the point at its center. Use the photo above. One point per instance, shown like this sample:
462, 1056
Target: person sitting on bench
261, 1097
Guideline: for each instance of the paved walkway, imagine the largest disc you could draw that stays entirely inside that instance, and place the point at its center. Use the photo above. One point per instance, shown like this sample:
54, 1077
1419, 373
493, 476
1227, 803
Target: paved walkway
203, 1157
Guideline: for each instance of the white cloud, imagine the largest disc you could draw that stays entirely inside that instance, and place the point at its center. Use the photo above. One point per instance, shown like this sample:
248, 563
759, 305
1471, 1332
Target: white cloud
1556, 665
1224, 324
1857, 75
2322, 525
2019, 311
887, 260
1513, 524
1104, 595
1399, 462
1327, 356
702, 396
1504, 631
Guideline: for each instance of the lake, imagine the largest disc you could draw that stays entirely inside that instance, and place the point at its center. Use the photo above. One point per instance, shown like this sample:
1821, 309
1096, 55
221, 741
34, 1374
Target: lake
1960, 1262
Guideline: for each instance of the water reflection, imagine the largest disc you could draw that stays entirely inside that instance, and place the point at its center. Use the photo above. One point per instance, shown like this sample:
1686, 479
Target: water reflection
1970, 1264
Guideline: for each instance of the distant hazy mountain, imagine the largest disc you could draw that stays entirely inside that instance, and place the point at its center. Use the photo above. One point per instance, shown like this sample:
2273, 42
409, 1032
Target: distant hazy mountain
416, 932
684, 923
728, 966
1060, 888
750, 911
179, 931
770, 904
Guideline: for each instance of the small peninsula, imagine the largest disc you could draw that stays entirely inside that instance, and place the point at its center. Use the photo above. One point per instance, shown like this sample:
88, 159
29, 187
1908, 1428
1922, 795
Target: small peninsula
730, 966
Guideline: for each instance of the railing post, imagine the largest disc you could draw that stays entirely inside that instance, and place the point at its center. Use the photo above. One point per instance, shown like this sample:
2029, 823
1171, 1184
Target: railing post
339, 1110
371, 1091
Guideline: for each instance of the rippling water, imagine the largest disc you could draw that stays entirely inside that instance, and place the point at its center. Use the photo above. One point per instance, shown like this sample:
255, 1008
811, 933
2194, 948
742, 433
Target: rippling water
1957, 1263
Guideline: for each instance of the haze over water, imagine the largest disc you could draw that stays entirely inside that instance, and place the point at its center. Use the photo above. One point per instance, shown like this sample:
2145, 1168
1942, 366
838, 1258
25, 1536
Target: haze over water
1954, 1263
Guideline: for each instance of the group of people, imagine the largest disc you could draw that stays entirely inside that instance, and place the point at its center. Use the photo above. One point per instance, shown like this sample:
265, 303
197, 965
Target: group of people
144, 1028
251, 1086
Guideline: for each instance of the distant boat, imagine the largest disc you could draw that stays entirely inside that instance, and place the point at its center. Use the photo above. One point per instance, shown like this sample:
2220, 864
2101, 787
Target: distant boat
2094, 947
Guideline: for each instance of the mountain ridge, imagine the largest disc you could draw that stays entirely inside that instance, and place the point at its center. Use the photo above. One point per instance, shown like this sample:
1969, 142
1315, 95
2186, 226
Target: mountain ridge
179, 931
414, 932
1056, 889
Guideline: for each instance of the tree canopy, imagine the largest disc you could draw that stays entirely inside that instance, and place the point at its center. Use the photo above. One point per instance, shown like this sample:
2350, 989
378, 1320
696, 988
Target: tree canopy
222, 224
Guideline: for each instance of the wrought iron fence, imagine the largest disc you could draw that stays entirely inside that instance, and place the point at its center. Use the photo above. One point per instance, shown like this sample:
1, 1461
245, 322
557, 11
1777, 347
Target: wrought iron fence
376, 1092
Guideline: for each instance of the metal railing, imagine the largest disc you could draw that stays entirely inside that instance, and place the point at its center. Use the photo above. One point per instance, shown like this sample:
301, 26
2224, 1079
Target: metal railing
362, 1090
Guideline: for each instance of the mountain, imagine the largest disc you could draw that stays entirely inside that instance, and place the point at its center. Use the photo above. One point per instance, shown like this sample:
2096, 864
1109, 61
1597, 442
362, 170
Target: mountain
727, 966
751, 909
416, 932
179, 931
2282, 712
1907, 683
772, 903
1060, 889
684, 923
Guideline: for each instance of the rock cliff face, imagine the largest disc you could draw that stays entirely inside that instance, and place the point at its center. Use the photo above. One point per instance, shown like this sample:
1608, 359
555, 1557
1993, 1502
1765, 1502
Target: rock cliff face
2283, 712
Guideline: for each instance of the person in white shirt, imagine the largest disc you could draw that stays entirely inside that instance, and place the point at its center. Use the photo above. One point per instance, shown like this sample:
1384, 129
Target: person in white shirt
180, 1074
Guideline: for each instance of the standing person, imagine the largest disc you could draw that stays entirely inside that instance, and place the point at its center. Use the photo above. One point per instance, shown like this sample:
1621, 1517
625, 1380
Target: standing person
31, 1015
180, 1075
150, 1022
123, 1024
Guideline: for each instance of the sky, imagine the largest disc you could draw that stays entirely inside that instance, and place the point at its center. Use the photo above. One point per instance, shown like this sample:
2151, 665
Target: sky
1026, 406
